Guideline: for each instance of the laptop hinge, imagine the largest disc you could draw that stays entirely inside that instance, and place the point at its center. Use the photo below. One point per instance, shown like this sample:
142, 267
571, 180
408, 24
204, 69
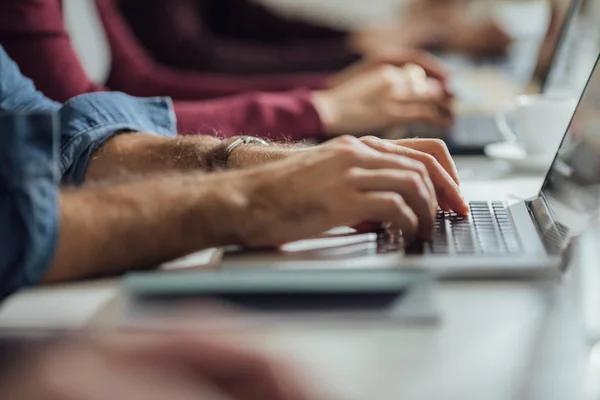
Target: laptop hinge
555, 236
539, 210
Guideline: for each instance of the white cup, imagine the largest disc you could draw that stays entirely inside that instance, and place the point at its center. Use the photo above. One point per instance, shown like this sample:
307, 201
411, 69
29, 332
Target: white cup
539, 122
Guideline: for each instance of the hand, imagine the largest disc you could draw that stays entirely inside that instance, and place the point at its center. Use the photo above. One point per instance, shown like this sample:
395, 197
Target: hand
396, 57
342, 183
452, 26
434, 155
149, 368
378, 99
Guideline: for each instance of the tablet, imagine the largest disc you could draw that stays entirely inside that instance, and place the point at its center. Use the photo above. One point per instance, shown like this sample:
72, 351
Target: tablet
271, 282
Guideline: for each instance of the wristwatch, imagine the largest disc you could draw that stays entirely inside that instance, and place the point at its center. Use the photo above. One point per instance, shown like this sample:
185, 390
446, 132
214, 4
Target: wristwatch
219, 156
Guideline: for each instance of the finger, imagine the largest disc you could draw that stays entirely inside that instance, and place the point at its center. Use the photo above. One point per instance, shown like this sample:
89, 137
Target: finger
441, 94
430, 105
437, 149
411, 85
432, 66
446, 186
410, 186
378, 161
390, 207
443, 205
434, 95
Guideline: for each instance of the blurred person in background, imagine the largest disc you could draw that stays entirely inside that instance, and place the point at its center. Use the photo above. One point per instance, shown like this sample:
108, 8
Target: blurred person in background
245, 37
101, 185
94, 366
368, 97
465, 26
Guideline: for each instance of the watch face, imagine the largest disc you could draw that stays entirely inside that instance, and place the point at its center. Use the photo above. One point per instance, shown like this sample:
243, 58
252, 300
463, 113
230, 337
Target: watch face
252, 139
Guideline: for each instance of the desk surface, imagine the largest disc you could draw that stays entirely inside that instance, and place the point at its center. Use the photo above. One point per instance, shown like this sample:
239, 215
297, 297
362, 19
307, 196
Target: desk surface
497, 340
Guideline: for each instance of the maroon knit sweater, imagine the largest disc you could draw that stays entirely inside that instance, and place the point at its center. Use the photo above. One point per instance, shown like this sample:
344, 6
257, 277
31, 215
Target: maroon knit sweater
278, 106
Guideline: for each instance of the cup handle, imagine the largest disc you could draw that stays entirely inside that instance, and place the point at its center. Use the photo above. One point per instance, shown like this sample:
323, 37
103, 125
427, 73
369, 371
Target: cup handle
504, 127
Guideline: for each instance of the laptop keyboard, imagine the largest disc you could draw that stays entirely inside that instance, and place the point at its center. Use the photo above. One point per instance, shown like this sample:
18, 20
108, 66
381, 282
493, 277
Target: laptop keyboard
487, 230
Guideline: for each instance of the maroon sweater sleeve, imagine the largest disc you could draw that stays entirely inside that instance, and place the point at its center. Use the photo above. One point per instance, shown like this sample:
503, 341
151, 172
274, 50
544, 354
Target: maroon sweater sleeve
278, 116
247, 19
33, 34
182, 33
130, 59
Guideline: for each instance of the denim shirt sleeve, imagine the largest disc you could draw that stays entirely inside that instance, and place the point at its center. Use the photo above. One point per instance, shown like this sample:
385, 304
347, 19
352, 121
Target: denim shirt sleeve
43, 143
17, 93
29, 189
88, 121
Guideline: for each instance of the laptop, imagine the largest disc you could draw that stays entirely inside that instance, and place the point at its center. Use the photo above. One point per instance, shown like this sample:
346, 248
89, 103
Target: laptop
527, 239
471, 133
574, 62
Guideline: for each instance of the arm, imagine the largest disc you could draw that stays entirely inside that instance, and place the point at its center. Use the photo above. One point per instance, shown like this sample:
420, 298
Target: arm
136, 154
33, 33
279, 116
107, 231
141, 224
49, 236
31, 167
87, 122
28, 198
185, 39
133, 63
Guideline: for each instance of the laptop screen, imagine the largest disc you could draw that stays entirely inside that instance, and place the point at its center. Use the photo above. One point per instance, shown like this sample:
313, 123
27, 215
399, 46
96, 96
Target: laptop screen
571, 191
563, 13
575, 56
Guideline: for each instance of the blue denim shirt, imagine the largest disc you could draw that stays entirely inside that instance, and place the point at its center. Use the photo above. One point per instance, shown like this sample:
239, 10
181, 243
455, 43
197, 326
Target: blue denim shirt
44, 144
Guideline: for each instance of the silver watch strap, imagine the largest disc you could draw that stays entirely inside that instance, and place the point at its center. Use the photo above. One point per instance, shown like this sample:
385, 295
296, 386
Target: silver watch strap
242, 140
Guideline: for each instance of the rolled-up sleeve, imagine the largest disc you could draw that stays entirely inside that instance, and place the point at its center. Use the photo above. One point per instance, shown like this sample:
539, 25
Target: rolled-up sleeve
41, 148
29, 190
44, 143
88, 121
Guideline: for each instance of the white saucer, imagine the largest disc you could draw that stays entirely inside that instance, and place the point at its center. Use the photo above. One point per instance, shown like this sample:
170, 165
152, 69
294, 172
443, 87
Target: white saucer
513, 154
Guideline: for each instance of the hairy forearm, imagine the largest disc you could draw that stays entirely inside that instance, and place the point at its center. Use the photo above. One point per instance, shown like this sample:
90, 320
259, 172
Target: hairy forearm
256, 154
141, 154
107, 231
135, 154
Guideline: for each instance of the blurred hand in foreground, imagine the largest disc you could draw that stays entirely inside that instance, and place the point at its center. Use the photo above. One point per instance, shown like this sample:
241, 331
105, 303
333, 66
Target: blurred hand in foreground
145, 367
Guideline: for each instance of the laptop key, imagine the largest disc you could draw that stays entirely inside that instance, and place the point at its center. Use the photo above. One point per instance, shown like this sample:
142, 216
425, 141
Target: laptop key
488, 229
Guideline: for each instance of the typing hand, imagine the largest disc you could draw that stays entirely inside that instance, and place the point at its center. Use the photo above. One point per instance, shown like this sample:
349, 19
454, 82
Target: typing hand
380, 98
396, 57
434, 155
341, 183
